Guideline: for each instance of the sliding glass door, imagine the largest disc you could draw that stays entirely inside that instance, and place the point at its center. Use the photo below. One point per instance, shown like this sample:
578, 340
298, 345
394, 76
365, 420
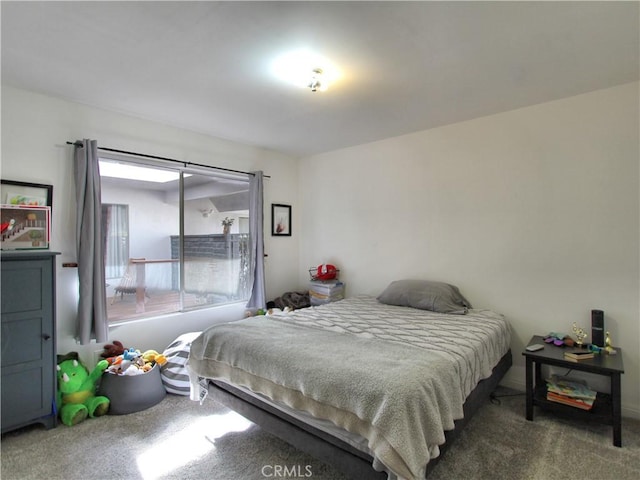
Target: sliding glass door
187, 241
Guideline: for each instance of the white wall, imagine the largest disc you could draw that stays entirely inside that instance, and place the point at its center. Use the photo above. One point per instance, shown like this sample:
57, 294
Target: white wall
533, 213
34, 131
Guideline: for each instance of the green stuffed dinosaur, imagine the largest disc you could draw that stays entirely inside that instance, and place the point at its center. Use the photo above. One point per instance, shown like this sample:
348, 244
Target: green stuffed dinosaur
76, 397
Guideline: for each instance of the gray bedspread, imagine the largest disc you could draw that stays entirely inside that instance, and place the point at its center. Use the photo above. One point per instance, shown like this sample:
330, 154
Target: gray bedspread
397, 376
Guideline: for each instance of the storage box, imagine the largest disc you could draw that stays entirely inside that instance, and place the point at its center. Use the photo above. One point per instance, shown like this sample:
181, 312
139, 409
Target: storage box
132, 393
25, 227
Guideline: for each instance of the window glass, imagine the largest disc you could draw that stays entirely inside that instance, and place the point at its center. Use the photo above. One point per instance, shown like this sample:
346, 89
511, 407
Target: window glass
115, 228
166, 268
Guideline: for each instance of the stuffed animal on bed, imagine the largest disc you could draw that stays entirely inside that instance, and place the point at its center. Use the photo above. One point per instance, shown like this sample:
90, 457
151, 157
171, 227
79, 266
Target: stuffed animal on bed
76, 399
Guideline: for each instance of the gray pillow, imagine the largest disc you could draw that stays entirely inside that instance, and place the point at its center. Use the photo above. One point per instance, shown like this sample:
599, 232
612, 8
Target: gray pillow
426, 295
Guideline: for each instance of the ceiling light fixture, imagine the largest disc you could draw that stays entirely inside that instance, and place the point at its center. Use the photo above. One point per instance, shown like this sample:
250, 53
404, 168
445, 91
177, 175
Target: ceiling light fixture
306, 69
315, 83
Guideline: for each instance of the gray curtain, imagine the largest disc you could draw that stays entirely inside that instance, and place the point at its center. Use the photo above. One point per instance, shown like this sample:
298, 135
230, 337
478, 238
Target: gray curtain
92, 306
256, 219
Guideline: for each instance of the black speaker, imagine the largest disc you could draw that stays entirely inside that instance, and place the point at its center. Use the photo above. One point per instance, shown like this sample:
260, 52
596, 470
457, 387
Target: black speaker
597, 327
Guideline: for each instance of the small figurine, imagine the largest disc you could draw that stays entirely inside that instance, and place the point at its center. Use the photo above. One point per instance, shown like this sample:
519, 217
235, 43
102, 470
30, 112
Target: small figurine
607, 345
580, 334
7, 226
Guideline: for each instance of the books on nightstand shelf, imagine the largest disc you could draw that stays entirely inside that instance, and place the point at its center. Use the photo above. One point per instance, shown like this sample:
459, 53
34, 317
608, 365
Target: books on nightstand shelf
575, 393
574, 402
576, 355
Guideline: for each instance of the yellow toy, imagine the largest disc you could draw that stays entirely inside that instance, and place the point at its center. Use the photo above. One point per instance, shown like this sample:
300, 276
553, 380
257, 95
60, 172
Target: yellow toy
151, 357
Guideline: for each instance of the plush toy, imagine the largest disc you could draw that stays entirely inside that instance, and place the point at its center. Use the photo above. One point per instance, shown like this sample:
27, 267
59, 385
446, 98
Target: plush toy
151, 357
112, 349
132, 362
76, 397
131, 354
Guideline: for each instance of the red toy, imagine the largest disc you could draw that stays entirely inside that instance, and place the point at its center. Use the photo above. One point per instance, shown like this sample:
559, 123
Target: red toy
4, 226
326, 272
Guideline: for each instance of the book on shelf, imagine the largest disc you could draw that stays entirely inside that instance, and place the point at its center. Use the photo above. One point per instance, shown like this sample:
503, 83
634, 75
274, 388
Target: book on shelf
581, 403
570, 388
578, 354
578, 358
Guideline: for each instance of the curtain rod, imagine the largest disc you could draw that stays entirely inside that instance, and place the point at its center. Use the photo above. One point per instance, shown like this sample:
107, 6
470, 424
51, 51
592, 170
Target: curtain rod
78, 144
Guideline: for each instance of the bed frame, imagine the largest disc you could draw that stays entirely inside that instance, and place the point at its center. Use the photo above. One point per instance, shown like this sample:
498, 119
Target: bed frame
328, 449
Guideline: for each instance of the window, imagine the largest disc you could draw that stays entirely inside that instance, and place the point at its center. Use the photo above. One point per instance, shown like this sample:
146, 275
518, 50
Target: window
115, 228
166, 246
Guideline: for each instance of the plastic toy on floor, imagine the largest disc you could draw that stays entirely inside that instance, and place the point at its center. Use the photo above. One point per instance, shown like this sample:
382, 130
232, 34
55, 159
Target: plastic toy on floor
76, 399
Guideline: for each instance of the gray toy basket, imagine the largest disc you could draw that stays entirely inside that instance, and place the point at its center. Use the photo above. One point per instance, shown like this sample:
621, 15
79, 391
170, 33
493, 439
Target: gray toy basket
132, 393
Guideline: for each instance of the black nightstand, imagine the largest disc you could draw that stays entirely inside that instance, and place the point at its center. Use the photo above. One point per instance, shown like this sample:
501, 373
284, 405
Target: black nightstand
606, 409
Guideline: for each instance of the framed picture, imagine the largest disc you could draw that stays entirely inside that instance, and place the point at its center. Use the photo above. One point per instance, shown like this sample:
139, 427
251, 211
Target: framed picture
24, 227
280, 220
24, 193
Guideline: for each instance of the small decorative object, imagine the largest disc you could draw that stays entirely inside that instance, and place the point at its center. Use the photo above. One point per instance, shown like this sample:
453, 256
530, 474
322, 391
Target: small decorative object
324, 272
226, 225
36, 236
607, 345
580, 334
7, 226
25, 227
280, 220
594, 348
25, 193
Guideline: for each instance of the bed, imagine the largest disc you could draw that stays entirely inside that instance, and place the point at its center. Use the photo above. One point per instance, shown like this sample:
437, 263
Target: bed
376, 387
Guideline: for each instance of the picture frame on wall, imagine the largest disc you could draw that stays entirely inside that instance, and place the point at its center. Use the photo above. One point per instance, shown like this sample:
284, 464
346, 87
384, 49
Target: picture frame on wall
25, 227
13, 192
280, 220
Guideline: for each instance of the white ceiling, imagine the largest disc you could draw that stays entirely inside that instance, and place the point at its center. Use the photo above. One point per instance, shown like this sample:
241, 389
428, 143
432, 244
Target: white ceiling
407, 66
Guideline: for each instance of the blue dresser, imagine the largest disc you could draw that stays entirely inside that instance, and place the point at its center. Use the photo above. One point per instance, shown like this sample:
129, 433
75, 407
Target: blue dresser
28, 338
